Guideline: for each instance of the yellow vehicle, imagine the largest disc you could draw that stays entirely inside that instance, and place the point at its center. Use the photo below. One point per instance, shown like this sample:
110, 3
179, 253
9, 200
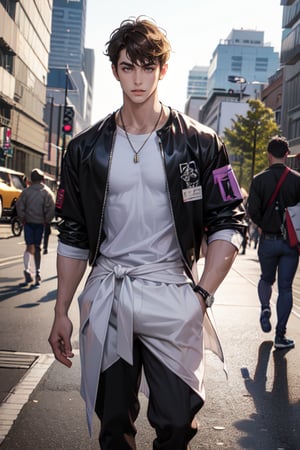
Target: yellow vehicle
12, 184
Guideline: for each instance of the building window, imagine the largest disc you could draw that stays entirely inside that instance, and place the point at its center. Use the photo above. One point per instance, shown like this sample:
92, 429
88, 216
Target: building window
6, 60
293, 90
236, 63
294, 128
261, 64
10, 7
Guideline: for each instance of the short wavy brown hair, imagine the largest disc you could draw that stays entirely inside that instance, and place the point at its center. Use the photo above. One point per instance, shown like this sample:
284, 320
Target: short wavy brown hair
143, 40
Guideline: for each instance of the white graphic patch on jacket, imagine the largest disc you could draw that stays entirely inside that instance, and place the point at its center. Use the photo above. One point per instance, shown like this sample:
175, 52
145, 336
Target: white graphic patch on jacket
190, 176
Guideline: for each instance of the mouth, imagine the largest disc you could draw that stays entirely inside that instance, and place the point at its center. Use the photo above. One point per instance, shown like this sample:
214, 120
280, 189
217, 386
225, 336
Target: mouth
138, 92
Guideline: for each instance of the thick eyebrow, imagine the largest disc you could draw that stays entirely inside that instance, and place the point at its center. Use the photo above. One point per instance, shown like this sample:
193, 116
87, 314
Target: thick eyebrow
126, 64
131, 65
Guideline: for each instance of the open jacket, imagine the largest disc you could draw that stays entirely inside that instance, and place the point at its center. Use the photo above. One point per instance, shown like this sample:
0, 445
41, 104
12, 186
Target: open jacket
203, 192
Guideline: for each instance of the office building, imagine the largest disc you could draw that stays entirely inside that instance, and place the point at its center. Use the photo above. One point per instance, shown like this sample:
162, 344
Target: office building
290, 59
197, 82
239, 68
271, 95
196, 91
71, 75
219, 110
242, 55
25, 28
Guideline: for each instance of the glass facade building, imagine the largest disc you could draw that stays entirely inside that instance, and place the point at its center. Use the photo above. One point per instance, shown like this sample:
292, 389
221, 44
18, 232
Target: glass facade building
68, 34
67, 50
242, 54
68, 54
197, 82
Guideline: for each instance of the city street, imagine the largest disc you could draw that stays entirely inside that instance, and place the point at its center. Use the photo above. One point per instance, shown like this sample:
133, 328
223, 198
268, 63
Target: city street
256, 408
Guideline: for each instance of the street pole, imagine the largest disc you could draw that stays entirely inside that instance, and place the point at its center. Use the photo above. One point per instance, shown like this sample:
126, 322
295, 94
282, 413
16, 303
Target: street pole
63, 149
254, 152
58, 142
50, 128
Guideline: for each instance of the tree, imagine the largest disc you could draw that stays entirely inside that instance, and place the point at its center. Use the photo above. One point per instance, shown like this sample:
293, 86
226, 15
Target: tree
248, 138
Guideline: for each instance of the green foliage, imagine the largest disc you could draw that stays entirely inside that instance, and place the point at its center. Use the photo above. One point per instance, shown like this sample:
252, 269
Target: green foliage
248, 138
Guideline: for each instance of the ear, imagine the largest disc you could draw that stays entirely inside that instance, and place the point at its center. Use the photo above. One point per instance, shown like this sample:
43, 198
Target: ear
115, 72
163, 71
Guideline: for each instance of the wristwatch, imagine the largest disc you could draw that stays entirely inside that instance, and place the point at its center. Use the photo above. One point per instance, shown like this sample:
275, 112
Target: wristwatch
207, 297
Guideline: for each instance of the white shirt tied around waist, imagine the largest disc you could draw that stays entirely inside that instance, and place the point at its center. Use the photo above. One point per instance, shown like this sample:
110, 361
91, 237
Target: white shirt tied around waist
108, 282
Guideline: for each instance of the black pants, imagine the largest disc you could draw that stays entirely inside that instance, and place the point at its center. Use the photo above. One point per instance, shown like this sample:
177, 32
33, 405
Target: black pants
47, 232
171, 408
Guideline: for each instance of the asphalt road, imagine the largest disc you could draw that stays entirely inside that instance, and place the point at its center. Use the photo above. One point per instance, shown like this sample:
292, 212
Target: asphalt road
256, 408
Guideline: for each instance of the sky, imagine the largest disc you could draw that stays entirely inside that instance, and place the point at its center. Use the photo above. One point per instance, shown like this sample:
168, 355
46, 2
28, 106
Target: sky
194, 29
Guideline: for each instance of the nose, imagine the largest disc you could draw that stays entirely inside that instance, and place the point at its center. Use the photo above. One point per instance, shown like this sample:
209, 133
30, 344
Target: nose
138, 75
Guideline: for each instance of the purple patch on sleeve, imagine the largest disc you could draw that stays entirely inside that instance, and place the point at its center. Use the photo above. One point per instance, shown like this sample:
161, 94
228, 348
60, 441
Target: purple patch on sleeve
60, 198
228, 185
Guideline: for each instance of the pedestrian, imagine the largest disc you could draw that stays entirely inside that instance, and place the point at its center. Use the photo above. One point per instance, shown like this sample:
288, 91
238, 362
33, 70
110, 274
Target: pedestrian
137, 192
47, 232
35, 208
254, 233
274, 251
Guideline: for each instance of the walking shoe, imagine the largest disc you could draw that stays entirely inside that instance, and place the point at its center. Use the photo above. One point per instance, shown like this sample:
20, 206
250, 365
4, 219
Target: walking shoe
283, 342
45, 251
265, 320
37, 280
28, 276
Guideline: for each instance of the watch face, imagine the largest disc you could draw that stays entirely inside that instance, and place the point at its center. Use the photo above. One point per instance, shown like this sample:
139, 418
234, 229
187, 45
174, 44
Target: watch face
209, 301
208, 298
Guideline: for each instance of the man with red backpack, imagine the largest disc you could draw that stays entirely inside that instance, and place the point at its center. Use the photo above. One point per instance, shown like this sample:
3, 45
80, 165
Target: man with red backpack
271, 192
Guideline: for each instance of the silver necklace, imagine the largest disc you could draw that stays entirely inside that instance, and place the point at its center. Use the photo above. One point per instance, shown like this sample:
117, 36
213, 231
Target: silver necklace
136, 152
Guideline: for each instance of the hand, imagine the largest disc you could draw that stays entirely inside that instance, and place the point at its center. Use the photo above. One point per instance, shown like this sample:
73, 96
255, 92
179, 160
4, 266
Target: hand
60, 340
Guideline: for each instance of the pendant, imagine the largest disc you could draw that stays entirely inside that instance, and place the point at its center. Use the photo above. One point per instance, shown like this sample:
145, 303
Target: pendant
136, 158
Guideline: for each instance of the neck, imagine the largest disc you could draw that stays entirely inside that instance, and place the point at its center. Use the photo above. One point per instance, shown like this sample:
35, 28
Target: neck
140, 120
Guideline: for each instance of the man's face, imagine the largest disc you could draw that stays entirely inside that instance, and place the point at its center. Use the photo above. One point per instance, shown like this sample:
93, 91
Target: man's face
138, 81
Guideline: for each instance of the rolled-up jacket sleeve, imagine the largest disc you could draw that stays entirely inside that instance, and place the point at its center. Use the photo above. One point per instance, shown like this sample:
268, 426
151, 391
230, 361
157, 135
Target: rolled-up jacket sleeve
221, 192
233, 236
72, 252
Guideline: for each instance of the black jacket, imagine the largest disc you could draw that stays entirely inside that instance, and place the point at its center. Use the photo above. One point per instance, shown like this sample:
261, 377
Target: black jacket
262, 187
190, 151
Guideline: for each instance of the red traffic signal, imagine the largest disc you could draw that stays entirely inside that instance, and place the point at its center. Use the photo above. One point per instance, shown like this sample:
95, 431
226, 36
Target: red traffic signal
68, 119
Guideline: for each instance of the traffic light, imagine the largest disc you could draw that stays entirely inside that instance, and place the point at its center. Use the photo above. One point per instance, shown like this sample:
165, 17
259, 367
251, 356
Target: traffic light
68, 120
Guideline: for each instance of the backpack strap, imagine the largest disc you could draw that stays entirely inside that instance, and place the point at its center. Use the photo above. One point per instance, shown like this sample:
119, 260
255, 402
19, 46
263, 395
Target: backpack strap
278, 186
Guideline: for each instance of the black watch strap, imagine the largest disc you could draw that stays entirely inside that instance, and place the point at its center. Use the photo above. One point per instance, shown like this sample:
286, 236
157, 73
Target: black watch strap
202, 291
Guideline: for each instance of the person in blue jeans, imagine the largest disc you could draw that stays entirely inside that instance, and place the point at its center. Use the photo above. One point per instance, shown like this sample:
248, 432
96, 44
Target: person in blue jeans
274, 252
35, 208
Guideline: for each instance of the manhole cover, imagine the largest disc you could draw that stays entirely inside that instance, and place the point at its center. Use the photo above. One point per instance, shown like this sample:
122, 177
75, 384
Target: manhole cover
16, 360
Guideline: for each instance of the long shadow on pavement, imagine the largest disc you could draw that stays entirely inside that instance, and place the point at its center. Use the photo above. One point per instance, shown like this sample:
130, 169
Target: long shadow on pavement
275, 414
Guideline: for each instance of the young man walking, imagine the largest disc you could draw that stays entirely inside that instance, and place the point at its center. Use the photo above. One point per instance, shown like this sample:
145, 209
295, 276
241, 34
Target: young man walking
139, 189
274, 251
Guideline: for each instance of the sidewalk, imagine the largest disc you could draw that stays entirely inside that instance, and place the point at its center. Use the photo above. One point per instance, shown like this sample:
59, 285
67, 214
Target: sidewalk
257, 408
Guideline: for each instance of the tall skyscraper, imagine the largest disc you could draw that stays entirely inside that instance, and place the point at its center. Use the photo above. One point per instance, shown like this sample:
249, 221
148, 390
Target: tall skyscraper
197, 81
71, 70
68, 34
